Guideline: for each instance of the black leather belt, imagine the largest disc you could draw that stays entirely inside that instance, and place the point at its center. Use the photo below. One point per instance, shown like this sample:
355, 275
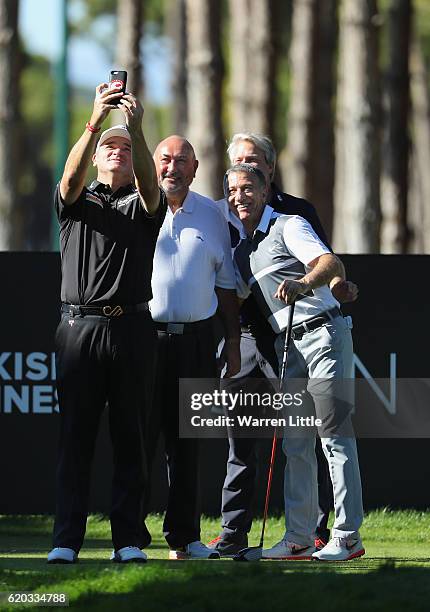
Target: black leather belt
109, 310
315, 322
179, 329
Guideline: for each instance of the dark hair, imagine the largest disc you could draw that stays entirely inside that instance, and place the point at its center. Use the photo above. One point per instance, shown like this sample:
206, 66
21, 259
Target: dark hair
247, 169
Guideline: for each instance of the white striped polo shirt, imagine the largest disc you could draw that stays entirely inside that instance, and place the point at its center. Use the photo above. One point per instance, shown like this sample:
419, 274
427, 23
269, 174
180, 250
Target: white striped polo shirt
281, 247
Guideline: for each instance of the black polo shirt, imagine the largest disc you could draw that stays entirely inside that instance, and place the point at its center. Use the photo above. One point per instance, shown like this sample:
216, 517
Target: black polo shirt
289, 205
107, 243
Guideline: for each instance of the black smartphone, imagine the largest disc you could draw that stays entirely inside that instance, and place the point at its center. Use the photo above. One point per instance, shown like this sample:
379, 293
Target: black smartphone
118, 78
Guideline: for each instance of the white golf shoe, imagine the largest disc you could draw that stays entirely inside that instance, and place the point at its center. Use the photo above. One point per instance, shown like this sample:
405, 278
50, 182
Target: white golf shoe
128, 554
340, 549
194, 550
62, 555
288, 551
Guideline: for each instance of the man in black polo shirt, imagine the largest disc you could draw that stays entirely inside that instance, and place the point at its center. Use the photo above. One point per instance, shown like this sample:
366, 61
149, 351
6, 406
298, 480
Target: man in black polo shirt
106, 339
259, 359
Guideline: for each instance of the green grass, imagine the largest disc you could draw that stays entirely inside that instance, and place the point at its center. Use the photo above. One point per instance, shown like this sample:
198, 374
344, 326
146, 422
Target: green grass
394, 574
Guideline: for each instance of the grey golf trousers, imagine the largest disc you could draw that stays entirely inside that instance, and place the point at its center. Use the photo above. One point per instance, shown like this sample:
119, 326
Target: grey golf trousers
259, 361
321, 355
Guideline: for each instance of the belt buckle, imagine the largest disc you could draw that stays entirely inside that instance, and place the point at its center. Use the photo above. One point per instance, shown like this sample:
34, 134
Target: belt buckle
296, 335
299, 332
112, 311
175, 328
73, 310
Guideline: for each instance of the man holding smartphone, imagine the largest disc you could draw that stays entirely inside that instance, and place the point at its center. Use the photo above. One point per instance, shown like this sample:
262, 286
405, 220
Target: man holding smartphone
108, 233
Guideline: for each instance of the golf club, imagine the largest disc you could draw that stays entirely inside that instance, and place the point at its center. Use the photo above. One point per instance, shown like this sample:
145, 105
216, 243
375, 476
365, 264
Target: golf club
255, 553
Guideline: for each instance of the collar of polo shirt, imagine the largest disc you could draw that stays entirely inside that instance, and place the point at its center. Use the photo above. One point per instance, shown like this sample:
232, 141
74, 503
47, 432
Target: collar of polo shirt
264, 222
188, 203
265, 219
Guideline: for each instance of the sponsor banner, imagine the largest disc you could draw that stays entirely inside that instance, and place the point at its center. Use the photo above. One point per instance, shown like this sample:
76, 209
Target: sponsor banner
27, 383
390, 343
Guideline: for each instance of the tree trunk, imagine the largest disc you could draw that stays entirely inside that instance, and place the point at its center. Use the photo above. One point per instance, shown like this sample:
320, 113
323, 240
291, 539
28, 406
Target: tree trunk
357, 201
321, 186
394, 185
11, 223
129, 35
301, 116
309, 167
240, 33
416, 207
205, 71
252, 53
419, 209
177, 31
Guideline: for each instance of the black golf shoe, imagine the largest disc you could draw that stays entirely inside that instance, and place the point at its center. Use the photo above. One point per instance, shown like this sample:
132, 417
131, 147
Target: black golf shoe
228, 546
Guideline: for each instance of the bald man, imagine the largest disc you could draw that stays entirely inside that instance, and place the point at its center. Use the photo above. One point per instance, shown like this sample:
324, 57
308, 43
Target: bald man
193, 276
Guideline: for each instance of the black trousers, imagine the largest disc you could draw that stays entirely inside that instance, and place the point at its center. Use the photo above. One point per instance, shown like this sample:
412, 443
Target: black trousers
99, 360
190, 355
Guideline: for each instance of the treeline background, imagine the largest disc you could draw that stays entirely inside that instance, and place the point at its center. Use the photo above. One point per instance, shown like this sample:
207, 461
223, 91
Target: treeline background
341, 86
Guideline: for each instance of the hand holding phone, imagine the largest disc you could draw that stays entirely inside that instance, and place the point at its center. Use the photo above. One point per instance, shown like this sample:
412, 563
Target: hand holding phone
118, 82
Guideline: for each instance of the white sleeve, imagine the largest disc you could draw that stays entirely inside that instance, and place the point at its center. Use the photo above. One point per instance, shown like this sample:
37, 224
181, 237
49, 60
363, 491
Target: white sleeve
301, 240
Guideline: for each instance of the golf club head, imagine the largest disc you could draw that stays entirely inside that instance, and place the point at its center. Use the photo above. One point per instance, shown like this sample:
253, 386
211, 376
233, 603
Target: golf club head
252, 553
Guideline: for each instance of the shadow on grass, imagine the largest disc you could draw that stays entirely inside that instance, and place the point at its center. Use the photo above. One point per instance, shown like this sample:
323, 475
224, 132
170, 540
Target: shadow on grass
206, 586
267, 586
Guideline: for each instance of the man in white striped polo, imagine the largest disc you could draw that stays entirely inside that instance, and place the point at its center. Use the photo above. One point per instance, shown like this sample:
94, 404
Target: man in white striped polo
278, 258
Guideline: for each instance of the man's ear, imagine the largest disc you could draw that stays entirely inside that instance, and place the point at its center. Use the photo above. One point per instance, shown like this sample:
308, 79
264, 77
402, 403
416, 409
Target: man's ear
93, 159
196, 165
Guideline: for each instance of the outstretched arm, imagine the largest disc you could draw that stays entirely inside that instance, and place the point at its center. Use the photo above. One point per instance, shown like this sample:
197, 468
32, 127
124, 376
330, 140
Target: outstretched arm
143, 164
75, 171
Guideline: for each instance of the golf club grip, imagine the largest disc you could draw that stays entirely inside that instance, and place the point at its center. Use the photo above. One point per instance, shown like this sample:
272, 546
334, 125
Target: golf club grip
269, 486
288, 333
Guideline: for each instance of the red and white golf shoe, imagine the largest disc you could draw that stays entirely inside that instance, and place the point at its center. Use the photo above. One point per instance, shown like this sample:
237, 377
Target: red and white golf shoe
288, 551
340, 549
